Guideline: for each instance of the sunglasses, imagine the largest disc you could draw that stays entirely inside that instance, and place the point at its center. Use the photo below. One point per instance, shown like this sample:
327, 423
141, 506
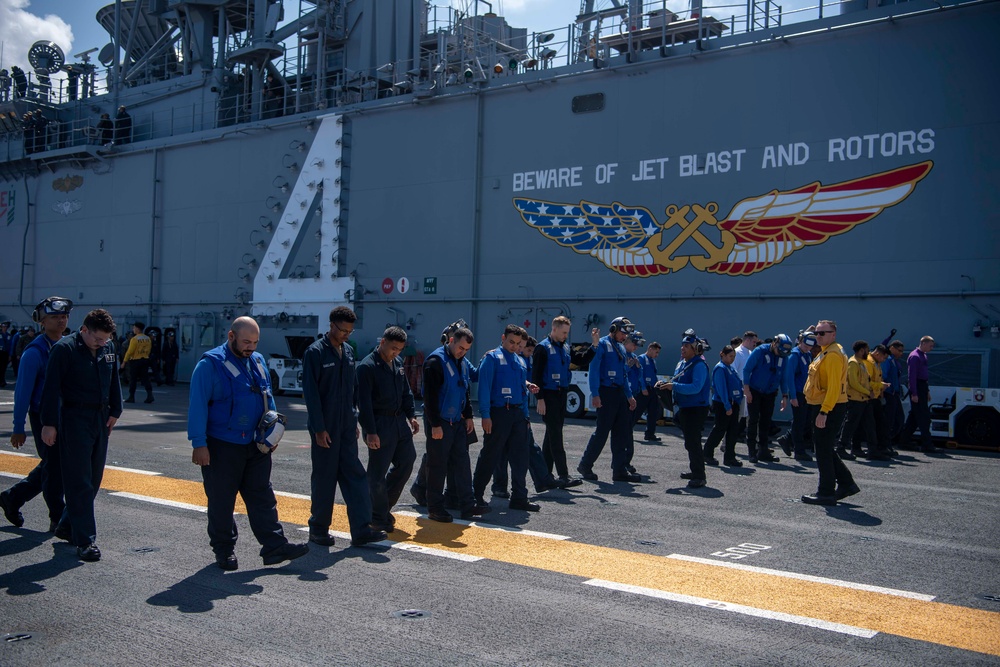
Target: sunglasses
822, 333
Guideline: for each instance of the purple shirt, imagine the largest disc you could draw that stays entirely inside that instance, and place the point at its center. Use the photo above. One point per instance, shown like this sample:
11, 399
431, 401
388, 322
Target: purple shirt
917, 365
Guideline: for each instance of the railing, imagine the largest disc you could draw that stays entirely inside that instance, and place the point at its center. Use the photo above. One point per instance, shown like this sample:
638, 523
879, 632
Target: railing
454, 53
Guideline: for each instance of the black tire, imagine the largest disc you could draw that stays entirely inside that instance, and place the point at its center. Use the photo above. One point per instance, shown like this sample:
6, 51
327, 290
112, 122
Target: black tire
978, 426
574, 403
275, 389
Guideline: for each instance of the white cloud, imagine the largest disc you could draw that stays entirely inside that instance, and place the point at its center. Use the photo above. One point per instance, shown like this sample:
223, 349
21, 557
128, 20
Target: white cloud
19, 29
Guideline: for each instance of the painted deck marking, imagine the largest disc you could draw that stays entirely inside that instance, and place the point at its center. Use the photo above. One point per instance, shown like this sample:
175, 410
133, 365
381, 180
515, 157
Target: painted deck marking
737, 608
929, 621
137, 472
409, 546
286, 494
488, 526
804, 577
159, 501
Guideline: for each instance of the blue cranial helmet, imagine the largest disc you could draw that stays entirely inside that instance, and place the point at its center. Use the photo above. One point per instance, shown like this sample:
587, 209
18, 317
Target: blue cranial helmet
270, 429
783, 344
621, 324
54, 305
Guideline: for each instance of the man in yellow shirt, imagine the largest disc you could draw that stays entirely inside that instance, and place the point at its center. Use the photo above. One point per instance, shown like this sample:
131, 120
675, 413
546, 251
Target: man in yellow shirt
862, 394
879, 354
826, 394
137, 358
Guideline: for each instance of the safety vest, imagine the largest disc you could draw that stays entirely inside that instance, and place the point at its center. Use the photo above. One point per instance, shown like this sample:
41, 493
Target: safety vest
509, 377
451, 397
557, 371
234, 416
684, 374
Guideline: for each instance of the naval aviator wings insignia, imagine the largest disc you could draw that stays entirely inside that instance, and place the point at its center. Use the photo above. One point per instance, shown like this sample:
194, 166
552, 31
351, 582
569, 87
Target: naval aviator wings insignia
758, 233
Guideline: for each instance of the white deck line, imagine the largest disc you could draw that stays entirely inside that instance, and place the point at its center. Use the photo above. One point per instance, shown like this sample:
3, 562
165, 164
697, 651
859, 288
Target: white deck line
493, 526
806, 577
138, 472
737, 608
409, 546
286, 494
159, 501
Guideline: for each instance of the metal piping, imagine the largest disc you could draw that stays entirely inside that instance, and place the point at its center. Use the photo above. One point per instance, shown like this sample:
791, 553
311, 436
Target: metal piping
24, 244
582, 299
699, 297
136, 11
477, 221
152, 232
117, 41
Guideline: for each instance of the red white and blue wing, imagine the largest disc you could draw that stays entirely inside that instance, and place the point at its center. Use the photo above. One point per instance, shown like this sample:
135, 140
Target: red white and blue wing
771, 227
616, 235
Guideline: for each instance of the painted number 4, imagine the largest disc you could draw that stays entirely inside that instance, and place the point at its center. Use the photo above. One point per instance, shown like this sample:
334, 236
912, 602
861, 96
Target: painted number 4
741, 551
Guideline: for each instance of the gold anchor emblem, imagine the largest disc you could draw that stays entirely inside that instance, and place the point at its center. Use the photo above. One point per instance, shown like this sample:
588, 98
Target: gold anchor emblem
678, 216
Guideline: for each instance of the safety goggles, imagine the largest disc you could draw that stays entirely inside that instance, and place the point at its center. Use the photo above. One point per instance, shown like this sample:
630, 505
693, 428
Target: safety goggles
56, 307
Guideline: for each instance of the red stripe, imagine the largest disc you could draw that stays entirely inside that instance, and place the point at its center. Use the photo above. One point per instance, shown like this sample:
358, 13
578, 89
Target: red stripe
641, 270
887, 179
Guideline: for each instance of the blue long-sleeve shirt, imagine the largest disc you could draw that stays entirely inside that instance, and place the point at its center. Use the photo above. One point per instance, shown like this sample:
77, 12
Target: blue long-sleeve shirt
763, 371
516, 374
796, 371
890, 374
30, 379
727, 388
608, 367
224, 405
698, 378
634, 372
648, 371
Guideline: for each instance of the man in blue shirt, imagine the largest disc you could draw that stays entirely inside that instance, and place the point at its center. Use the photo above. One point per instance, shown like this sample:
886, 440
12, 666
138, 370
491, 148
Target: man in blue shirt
762, 377
633, 371
503, 406
726, 395
449, 427
230, 393
647, 401
46, 477
894, 392
792, 387
691, 387
551, 373
611, 395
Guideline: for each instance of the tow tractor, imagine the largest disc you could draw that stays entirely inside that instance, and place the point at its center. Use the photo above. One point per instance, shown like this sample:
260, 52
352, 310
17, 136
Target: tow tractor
286, 371
966, 416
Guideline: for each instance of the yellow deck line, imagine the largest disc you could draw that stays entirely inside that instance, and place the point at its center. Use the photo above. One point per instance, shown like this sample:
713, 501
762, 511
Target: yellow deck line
934, 622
